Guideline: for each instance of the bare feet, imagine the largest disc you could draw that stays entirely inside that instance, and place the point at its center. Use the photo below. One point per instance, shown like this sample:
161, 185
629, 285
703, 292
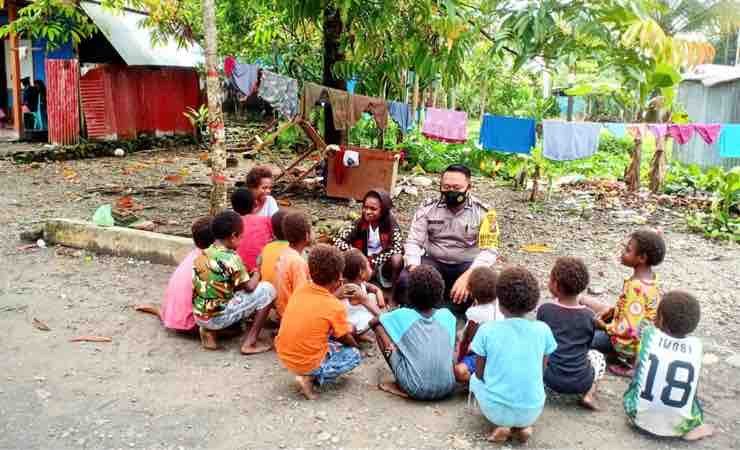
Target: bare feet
392, 387
699, 432
589, 399
522, 434
208, 339
305, 384
254, 348
149, 309
499, 435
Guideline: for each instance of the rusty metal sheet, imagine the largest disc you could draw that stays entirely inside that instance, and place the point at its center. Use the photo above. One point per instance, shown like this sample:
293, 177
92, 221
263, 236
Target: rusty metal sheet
62, 84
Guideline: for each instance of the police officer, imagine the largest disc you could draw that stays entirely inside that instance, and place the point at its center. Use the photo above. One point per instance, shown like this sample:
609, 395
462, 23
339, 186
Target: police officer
454, 233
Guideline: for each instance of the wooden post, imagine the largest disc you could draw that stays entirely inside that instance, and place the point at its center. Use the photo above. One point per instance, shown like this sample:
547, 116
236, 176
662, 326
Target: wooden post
658, 166
415, 100
15, 73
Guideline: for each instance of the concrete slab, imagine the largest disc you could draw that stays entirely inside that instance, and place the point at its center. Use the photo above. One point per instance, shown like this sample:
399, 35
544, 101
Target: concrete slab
154, 247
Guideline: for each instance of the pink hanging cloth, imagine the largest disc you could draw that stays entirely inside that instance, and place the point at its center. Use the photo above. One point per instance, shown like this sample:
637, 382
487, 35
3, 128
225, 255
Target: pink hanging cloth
659, 130
709, 132
681, 133
446, 125
177, 306
229, 64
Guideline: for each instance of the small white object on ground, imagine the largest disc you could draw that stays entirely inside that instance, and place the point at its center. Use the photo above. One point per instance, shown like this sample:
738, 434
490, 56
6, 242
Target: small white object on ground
119, 152
41, 243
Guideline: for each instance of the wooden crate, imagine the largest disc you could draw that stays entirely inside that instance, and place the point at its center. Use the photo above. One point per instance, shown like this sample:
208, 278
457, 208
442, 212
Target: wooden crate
378, 170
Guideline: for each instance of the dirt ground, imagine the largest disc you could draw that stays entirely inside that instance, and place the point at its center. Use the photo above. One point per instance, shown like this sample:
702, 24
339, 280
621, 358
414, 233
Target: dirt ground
150, 388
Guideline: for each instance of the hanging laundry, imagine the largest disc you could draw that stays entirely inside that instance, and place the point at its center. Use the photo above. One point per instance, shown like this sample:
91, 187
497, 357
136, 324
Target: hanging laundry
401, 114
659, 130
280, 92
229, 64
681, 133
709, 132
507, 134
245, 77
618, 130
339, 101
565, 141
375, 106
729, 141
339, 168
351, 158
446, 125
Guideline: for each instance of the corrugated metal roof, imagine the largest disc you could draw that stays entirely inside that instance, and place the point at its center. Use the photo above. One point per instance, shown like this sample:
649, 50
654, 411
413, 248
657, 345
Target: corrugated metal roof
134, 43
713, 74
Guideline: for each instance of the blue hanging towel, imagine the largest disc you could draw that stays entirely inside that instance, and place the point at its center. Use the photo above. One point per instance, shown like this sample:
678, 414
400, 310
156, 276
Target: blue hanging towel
729, 140
507, 134
564, 141
618, 130
401, 114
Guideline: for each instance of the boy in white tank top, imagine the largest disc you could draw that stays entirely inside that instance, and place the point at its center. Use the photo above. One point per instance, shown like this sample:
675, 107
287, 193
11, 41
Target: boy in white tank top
661, 398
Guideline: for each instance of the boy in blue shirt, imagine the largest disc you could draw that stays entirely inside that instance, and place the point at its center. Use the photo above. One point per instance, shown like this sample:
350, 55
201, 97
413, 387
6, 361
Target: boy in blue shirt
419, 342
510, 356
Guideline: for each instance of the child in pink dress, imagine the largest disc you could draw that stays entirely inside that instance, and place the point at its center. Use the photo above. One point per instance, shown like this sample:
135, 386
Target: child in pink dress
177, 307
257, 229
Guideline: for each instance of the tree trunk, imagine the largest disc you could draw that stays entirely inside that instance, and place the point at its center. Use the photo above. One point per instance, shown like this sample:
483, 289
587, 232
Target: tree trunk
215, 113
632, 174
482, 104
333, 29
658, 167
415, 98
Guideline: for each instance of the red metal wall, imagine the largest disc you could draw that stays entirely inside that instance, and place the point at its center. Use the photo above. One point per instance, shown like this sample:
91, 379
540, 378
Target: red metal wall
121, 102
62, 79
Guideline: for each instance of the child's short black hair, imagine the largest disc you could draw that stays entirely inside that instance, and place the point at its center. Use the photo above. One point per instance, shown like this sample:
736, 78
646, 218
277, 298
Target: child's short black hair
296, 227
277, 224
354, 263
255, 176
518, 291
202, 234
571, 274
325, 264
482, 284
679, 313
650, 244
426, 287
242, 201
225, 224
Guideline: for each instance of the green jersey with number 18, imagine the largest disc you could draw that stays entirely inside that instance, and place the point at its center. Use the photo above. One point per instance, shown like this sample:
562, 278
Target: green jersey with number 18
661, 398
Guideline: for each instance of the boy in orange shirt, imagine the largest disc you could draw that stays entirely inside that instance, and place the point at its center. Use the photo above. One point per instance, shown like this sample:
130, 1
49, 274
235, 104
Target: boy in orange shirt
267, 261
316, 340
291, 269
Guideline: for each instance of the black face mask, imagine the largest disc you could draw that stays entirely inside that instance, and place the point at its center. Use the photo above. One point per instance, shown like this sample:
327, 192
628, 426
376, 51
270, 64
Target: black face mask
453, 199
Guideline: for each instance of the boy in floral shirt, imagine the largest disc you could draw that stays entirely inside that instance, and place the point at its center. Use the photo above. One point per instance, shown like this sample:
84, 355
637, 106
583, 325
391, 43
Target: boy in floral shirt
224, 293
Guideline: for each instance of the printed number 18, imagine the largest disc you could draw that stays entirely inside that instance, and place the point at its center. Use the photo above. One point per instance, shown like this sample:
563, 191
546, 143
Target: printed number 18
671, 382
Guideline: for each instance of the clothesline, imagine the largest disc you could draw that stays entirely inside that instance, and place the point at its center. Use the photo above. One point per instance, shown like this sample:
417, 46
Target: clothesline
564, 141
561, 140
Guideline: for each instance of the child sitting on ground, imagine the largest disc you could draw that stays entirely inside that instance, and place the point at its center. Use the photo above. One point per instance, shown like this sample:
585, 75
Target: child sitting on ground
257, 229
418, 342
315, 340
617, 334
572, 368
267, 261
482, 286
223, 292
291, 268
176, 311
661, 398
510, 353
365, 299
